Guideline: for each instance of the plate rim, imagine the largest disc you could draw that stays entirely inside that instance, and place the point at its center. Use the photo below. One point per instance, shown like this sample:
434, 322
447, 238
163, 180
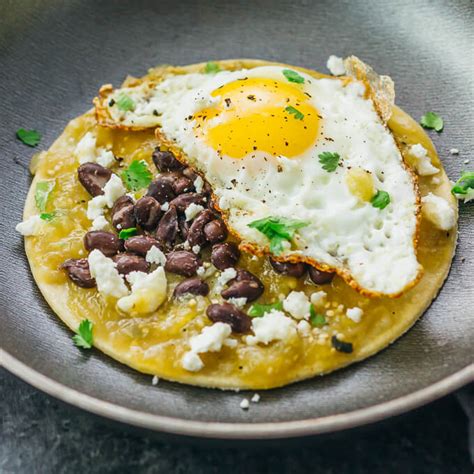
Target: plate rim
237, 431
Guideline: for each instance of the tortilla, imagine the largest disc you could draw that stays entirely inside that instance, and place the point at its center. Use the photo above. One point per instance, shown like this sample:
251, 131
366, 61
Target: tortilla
155, 344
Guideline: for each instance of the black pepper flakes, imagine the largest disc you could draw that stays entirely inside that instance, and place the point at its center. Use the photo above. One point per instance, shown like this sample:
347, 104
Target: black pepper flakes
341, 346
111, 102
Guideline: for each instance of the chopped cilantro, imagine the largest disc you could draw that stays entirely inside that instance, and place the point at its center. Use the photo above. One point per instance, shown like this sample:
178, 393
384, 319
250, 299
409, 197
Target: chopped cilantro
127, 233
43, 189
341, 346
278, 230
291, 110
137, 176
28, 137
316, 319
433, 121
83, 338
464, 185
47, 216
258, 310
293, 76
329, 160
381, 199
211, 68
124, 102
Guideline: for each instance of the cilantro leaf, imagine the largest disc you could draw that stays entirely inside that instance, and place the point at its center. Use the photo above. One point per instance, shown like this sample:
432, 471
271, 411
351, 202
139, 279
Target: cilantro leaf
258, 310
293, 76
83, 338
47, 216
125, 103
43, 189
28, 137
329, 160
464, 187
433, 121
127, 233
291, 110
316, 319
277, 230
211, 68
136, 176
381, 199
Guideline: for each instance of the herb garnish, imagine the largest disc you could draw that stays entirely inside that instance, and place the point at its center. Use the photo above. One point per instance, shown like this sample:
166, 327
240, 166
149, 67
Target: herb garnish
83, 338
291, 110
464, 186
293, 76
433, 121
316, 319
329, 160
341, 346
277, 230
212, 68
28, 137
43, 189
124, 102
381, 199
258, 310
127, 233
47, 216
136, 176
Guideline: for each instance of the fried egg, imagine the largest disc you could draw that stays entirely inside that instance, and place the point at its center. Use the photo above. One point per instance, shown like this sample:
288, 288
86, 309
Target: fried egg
277, 143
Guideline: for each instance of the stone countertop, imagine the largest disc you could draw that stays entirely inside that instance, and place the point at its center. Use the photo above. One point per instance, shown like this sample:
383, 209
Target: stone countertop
40, 435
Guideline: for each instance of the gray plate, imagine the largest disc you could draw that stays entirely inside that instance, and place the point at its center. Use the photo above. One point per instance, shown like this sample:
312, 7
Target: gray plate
55, 55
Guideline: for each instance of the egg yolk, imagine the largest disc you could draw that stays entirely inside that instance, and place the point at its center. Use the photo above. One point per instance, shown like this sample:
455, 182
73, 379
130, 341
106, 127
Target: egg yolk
259, 114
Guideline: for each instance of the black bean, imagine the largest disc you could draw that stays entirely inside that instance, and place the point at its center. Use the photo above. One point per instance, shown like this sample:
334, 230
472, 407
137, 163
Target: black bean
190, 173
181, 185
225, 255
166, 161
123, 216
341, 346
140, 244
109, 244
147, 212
243, 275
243, 289
168, 227
78, 272
195, 286
319, 277
196, 230
215, 231
183, 225
229, 314
288, 268
162, 189
127, 263
182, 263
184, 200
93, 177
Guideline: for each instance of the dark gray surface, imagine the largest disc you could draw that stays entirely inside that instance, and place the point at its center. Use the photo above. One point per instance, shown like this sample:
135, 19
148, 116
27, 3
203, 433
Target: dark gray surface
55, 55
41, 436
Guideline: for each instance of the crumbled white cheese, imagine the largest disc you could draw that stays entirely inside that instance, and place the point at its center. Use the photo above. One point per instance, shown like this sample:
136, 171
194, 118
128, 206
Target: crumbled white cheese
192, 362
255, 398
165, 206
224, 278
32, 226
335, 65
198, 184
155, 380
244, 404
200, 271
437, 210
86, 152
99, 223
156, 256
192, 211
113, 189
239, 302
148, 292
466, 161
304, 328
423, 163
272, 326
469, 196
297, 304
206, 272
454, 151
196, 249
108, 279
186, 245
318, 297
355, 314
211, 339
